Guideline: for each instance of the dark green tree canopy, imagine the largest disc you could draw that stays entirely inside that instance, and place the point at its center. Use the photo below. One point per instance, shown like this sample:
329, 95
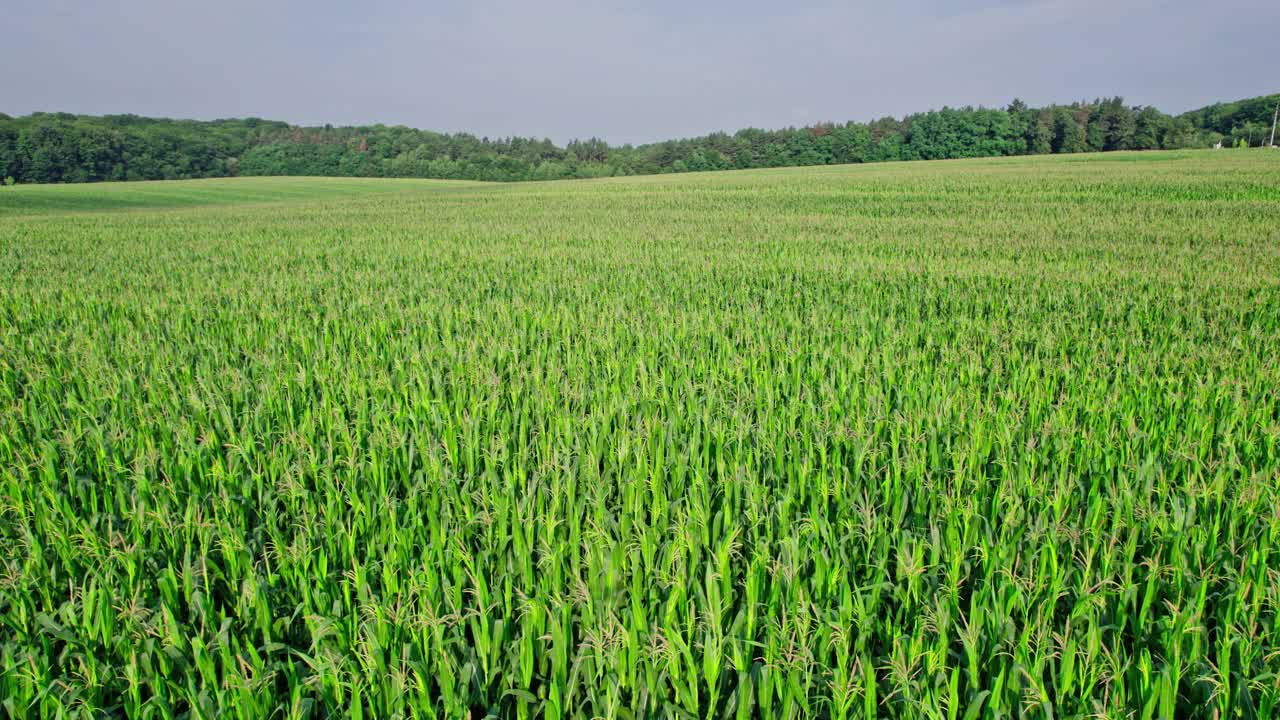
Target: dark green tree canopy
60, 147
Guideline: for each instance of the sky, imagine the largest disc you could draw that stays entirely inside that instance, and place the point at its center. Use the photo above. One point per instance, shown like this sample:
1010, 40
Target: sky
622, 70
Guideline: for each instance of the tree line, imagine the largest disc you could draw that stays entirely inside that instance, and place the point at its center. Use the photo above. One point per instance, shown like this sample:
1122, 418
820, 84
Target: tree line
61, 147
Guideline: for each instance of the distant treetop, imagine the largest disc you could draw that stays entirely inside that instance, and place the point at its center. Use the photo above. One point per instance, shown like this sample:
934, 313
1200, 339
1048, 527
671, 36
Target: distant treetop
61, 147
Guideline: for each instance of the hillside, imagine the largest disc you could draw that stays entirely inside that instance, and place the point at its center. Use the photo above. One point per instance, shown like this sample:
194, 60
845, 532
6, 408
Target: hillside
1240, 120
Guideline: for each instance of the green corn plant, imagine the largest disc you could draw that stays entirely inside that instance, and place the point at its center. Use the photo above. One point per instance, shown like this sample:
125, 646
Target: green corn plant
985, 439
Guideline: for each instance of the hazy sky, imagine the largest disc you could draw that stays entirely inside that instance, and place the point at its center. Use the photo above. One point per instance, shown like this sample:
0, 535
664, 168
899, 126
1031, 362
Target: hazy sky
625, 70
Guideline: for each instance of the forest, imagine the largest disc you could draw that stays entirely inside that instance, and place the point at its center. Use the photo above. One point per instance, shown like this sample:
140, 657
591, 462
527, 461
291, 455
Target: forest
64, 148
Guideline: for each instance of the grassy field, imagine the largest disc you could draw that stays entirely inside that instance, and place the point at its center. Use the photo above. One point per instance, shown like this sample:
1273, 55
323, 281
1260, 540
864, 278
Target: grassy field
169, 195
965, 439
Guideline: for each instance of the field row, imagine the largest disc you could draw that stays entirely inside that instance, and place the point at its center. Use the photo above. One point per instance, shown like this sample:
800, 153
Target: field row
948, 440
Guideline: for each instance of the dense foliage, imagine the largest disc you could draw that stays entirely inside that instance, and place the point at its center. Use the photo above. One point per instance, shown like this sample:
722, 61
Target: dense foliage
51, 148
983, 439
44, 148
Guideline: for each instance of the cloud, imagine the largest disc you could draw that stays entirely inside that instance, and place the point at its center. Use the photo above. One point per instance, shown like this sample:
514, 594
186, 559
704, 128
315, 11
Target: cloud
621, 69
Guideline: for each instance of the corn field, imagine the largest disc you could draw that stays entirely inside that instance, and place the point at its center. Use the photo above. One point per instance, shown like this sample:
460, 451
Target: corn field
956, 440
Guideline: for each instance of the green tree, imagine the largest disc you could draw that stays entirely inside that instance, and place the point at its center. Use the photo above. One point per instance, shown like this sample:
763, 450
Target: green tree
1040, 140
1068, 135
1116, 123
1022, 125
44, 147
1150, 127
